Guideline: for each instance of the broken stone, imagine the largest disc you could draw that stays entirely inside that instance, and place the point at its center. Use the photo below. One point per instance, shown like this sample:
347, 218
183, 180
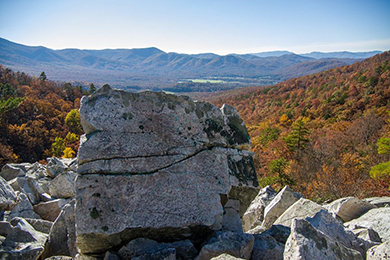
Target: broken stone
377, 219
31, 188
50, 210
62, 186
23, 208
55, 167
333, 228
23, 242
282, 201
301, 209
13, 170
267, 248
255, 213
7, 195
306, 242
234, 244
349, 208
378, 202
62, 236
231, 217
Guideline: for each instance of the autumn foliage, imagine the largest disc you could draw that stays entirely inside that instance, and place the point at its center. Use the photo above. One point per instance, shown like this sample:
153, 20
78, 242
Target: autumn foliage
27, 131
324, 127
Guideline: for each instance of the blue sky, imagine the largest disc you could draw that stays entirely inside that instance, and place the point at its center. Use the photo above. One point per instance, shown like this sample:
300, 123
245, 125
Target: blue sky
198, 26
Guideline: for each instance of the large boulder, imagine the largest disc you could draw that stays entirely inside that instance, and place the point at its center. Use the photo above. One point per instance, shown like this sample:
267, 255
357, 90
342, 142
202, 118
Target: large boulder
377, 219
234, 244
62, 186
49, 210
306, 242
282, 201
301, 209
255, 213
334, 229
349, 208
158, 166
62, 236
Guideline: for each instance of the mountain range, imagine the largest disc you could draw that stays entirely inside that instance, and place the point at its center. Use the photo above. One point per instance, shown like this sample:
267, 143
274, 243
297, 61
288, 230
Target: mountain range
153, 68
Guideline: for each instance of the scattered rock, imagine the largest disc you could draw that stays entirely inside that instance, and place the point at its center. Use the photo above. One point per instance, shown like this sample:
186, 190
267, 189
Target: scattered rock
379, 252
255, 213
306, 242
55, 167
40, 225
267, 248
349, 208
333, 228
13, 170
31, 188
23, 242
5, 228
231, 217
7, 195
62, 186
23, 208
282, 201
378, 202
50, 210
237, 245
301, 209
377, 219
62, 237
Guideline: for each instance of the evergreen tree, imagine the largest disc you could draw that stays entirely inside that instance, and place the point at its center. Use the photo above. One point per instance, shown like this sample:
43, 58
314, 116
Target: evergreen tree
298, 138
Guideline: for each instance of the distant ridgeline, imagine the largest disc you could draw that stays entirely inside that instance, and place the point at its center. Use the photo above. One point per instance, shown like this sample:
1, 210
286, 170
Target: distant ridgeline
151, 68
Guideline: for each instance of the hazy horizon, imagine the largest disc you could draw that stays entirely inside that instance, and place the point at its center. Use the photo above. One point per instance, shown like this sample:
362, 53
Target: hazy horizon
221, 27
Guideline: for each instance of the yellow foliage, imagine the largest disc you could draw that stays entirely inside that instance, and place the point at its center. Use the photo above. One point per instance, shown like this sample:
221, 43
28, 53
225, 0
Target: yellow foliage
68, 153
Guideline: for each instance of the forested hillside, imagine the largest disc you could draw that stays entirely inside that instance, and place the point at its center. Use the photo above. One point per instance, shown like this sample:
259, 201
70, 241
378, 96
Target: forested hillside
36, 117
319, 133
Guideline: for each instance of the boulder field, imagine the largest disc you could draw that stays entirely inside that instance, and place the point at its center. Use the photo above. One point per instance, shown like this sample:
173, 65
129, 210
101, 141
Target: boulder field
160, 176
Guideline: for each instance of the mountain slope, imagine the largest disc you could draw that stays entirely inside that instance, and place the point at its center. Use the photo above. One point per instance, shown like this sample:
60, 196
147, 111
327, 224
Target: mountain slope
151, 67
344, 109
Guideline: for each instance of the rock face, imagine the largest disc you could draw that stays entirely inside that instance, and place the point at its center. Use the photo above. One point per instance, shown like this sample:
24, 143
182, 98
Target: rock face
158, 166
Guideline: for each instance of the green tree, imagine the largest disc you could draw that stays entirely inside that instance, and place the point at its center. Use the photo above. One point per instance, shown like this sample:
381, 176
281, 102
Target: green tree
92, 88
298, 137
42, 76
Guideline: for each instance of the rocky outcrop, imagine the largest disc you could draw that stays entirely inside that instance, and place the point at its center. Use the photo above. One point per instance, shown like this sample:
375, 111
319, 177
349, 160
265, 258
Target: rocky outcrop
159, 166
